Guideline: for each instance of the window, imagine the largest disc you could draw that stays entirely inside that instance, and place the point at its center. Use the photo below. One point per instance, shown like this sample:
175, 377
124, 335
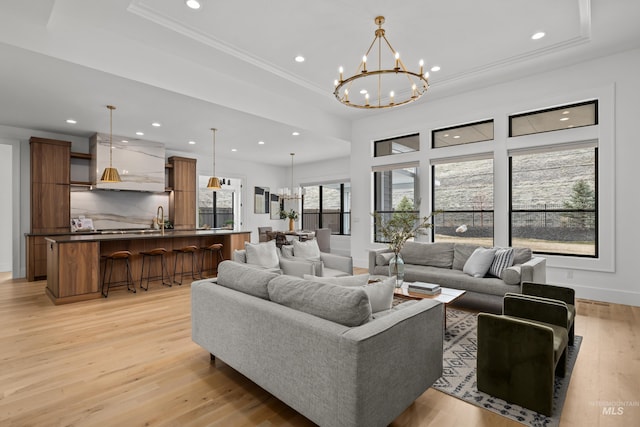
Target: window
463, 191
394, 189
462, 134
398, 145
327, 206
216, 208
554, 200
564, 117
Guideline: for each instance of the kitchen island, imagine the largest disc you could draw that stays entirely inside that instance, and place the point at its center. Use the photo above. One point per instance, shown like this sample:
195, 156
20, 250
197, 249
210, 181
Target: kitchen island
74, 267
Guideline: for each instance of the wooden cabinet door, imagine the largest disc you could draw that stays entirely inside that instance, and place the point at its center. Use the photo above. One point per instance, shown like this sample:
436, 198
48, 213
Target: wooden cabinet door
50, 206
183, 174
182, 209
50, 161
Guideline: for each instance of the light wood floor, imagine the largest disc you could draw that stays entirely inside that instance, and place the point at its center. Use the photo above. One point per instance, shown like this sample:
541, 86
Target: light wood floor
129, 361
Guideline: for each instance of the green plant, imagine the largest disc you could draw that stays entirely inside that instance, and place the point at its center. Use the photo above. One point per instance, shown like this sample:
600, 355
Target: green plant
291, 214
402, 226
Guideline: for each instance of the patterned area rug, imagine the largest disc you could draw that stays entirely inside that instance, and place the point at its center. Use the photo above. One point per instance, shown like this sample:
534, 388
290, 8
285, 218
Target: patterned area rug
459, 373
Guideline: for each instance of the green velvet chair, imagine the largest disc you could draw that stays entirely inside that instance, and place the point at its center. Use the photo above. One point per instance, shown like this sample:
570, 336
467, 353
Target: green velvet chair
521, 351
560, 293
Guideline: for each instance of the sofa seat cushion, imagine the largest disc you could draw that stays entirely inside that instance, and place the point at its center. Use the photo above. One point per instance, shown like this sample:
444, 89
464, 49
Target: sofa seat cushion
456, 279
431, 254
348, 306
245, 279
560, 336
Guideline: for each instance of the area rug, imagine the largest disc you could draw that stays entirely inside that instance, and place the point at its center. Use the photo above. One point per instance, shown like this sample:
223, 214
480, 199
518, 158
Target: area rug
459, 373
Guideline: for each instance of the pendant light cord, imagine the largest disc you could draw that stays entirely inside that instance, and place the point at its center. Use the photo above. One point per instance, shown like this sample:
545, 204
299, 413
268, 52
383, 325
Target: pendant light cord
111, 108
214, 151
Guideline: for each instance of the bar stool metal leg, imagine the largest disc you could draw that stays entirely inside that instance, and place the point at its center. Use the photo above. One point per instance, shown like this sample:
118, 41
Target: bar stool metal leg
109, 263
181, 253
154, 253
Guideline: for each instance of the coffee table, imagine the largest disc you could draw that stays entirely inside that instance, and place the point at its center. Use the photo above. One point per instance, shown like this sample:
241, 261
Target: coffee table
446, 296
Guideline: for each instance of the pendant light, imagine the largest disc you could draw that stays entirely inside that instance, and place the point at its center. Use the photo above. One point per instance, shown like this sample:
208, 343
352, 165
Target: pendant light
110, 174
214, 182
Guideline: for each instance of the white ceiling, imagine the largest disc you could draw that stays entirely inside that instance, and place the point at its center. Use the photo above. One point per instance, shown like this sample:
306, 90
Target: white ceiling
231, 65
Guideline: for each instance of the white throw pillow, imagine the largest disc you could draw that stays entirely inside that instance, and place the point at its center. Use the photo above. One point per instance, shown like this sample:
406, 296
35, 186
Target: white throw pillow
502, 259
479, 262
380, 293
308, 249
262, 254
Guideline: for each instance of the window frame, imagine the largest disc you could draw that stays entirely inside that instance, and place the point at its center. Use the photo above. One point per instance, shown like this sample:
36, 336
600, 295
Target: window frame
345, 216
391, 168
549, 109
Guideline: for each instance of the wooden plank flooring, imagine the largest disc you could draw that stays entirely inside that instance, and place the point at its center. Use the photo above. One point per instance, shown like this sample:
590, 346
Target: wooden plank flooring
129, 361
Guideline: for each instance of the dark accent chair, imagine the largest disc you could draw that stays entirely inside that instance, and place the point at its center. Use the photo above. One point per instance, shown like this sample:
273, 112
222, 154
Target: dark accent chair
559, 293
521, 351
263, 234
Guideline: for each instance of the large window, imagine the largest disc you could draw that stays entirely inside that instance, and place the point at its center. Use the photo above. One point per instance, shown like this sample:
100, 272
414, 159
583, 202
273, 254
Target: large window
556, 118
554, 200
395, 189
463, 191
462, 134
216, 208
398, 145
327, 206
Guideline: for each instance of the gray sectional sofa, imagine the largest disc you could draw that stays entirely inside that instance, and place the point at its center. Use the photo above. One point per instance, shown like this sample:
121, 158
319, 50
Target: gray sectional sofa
443, 263
275, 329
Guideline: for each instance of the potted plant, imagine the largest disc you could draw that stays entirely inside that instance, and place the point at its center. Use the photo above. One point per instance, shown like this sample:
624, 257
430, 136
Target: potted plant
402, 226
292, 215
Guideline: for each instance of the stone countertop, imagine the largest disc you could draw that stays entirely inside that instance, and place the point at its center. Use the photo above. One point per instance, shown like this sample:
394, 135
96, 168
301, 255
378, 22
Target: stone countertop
146, 234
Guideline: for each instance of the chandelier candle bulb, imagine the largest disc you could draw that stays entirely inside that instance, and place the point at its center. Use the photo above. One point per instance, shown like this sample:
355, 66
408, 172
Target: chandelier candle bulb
341, 70
421, 67
346, 96
364, 64
391, 95
397, 55
366, 98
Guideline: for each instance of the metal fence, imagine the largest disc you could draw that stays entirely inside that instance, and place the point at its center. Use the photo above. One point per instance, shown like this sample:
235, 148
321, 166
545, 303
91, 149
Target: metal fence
220, 218
311, 221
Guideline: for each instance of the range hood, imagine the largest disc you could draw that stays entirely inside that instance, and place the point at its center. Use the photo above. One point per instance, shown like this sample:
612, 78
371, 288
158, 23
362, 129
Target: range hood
140, 163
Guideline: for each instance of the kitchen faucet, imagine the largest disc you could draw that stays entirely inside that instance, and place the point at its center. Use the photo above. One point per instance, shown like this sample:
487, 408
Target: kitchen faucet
160, 217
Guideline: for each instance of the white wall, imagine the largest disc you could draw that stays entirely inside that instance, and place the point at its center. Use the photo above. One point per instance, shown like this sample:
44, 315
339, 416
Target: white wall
613, 276
6, 212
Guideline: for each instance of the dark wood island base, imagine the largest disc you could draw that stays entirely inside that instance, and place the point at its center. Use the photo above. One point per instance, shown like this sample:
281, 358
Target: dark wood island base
74, 267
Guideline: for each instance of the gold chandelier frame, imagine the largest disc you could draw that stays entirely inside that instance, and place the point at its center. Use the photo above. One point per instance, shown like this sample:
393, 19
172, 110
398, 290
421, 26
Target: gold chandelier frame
418, 82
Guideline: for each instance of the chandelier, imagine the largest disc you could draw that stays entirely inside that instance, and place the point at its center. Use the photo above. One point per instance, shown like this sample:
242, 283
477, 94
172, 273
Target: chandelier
214, 182
290, 193
382, 87
110, 174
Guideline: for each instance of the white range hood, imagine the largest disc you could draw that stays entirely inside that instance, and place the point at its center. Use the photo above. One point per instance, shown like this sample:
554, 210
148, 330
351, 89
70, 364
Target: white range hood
139, 163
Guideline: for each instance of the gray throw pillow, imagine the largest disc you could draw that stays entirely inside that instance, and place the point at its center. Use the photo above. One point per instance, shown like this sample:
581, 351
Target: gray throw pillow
262, 254
384, 258
502, 259
348, 306
431, 254
308, 249
245, 279
479, 262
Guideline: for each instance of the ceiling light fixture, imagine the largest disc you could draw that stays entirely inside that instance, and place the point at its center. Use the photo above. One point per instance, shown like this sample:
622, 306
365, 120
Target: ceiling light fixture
260, 142
401, 85
140, 133
71, 121
295, 133
299, 58
537, 36
193, 4
156, 124
290, 193
192, 143
110, 174
214, 181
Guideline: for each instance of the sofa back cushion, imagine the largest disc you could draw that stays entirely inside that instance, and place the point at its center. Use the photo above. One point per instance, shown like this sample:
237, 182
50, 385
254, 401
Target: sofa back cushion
431, 254
348, 306
244, 278
380, 292
461, 253
521, 255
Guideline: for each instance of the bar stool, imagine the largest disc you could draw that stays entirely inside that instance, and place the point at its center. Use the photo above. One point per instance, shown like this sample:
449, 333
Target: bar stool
117, 256
181, 253
216, 251
155, 253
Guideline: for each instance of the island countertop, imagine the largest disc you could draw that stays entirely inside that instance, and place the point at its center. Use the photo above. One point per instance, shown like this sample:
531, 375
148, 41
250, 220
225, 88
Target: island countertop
135, 235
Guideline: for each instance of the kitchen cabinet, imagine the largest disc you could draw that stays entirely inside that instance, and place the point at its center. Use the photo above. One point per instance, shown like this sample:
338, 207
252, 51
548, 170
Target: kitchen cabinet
50, 198
182, 200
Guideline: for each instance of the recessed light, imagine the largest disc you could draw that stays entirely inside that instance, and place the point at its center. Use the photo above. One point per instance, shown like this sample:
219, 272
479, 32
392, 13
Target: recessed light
71, 121
564, 119
193, 4
156, 124
234, 150
139, 133
261, 142
566, 112
192, 142
295, 133
538, 35
299, 58
456, 137
435, 68
363, 91
124, 141
446, 135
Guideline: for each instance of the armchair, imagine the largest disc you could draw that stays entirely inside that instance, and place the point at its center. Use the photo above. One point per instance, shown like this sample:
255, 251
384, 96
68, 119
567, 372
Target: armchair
521, 351
267, 256
332, 265
263, 234
559, 293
